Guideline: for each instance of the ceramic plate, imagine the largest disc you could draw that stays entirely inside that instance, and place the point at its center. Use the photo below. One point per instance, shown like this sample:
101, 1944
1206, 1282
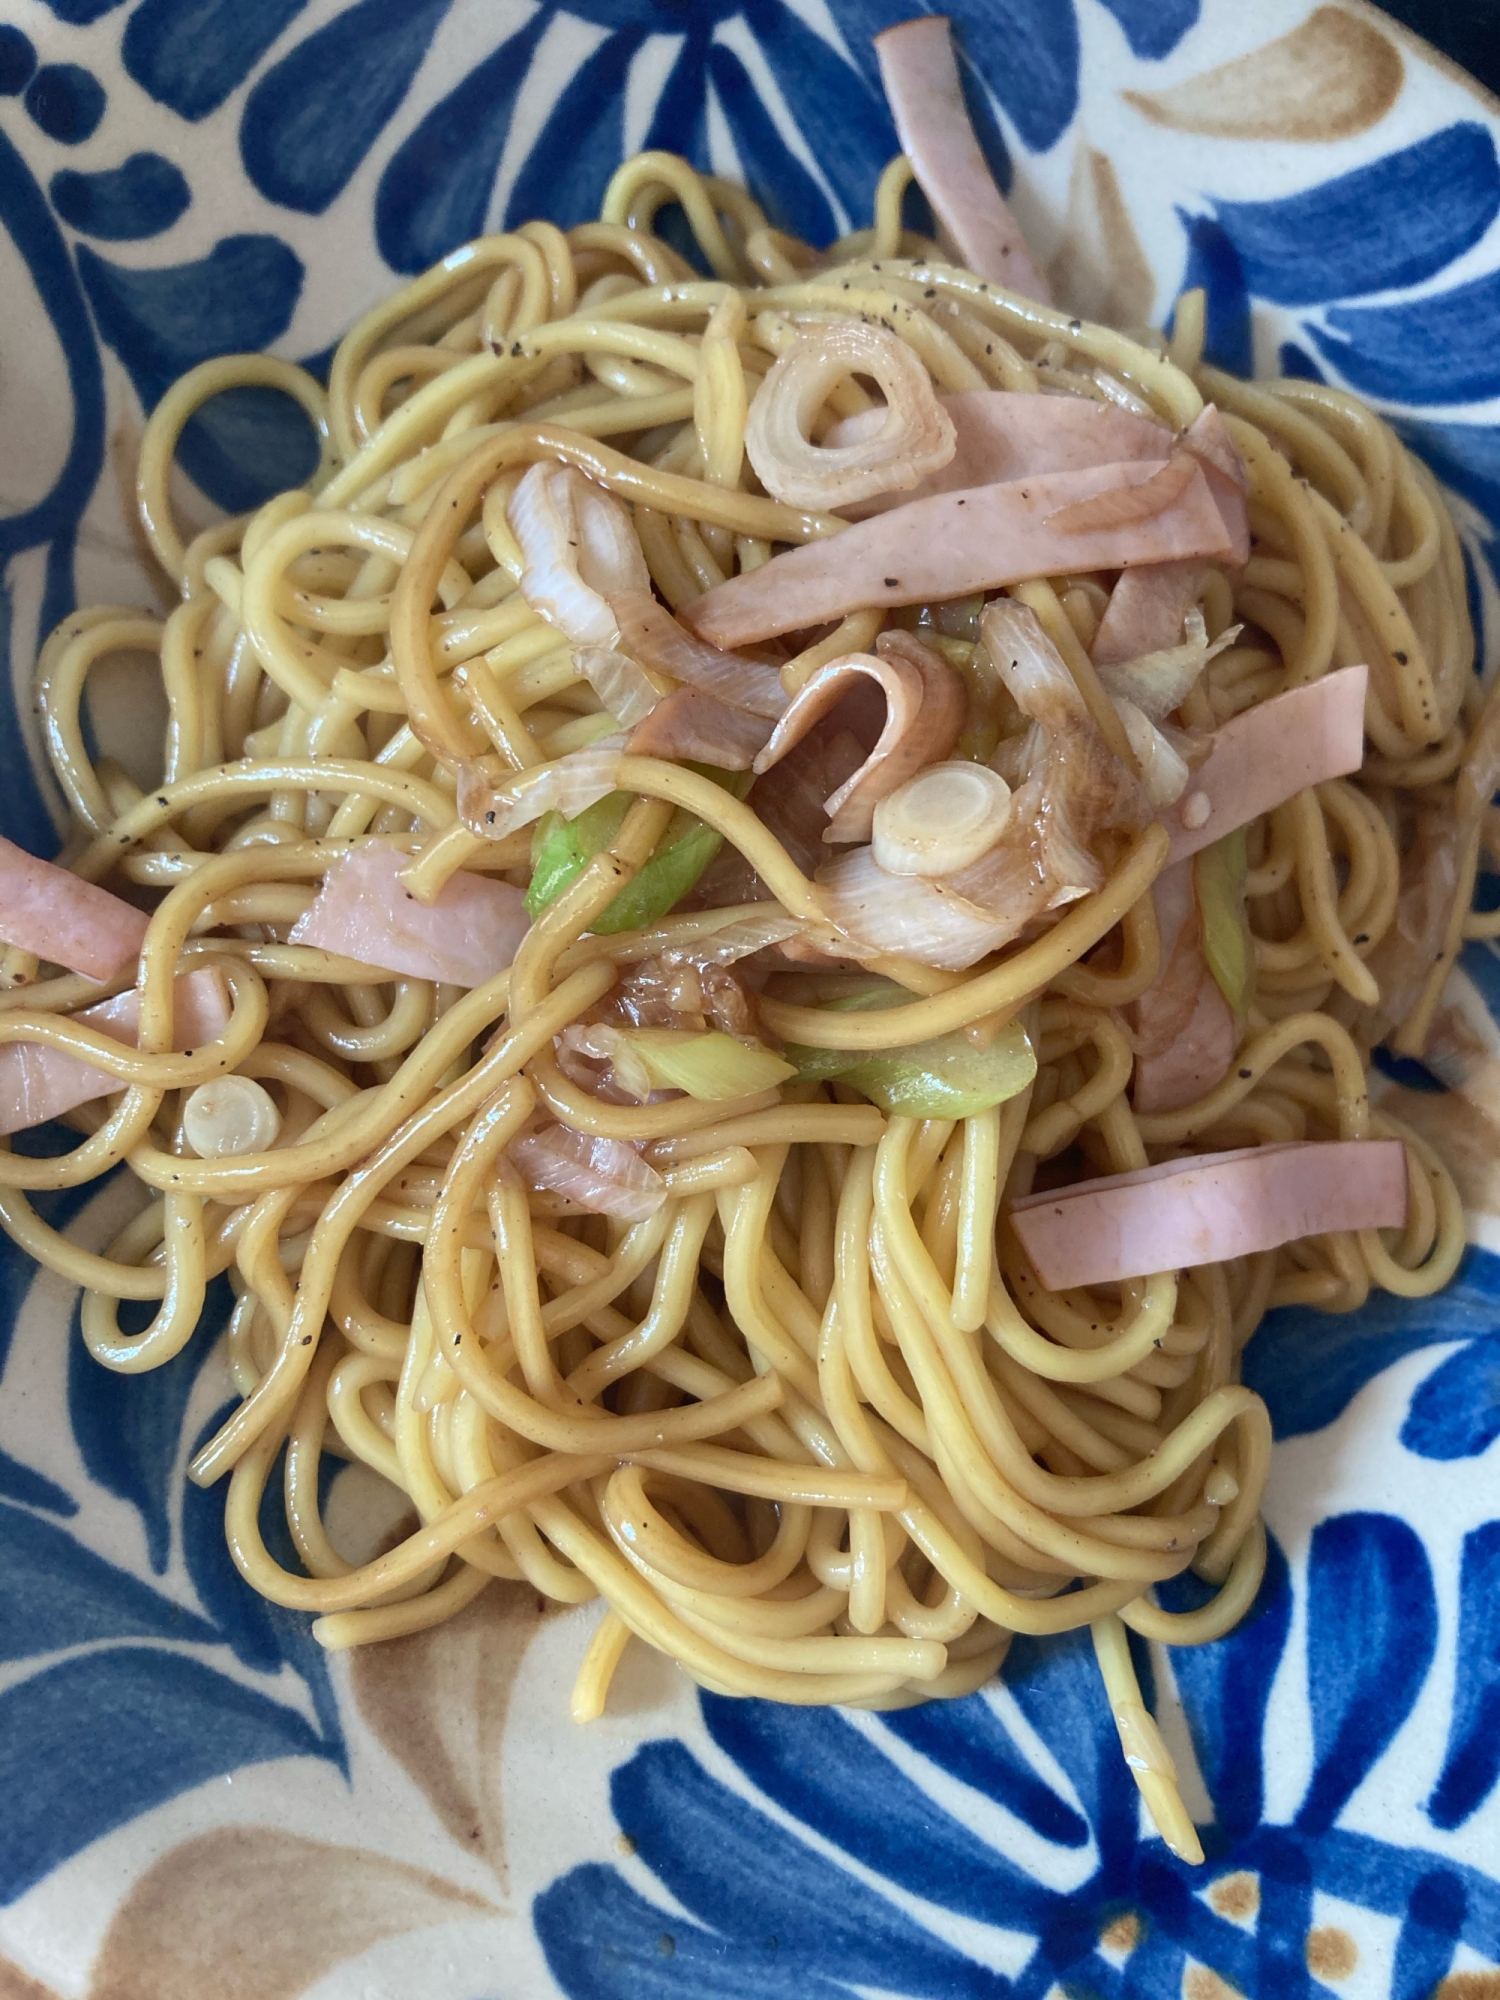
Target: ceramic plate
194, 1800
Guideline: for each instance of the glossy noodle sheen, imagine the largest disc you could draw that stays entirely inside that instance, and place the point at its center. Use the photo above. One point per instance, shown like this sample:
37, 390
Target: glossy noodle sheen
796, 1407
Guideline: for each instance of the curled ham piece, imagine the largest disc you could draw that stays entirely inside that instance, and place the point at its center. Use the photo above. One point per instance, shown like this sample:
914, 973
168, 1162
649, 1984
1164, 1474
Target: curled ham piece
580, 548
494, 807
38, 1083
654, 638
1265, 756
919, 68
1185, 1029
1005, 434
604, 1176
912, 434
63, 920
364, 911
951, 546
1209, 1209
925, 709
1145, 611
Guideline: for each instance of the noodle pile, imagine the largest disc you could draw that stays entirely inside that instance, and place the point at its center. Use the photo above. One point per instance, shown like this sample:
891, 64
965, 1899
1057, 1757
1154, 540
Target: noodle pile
811, 1426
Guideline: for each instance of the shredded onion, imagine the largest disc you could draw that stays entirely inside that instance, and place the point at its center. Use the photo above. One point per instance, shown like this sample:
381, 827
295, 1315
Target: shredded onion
494, 807
925, 920
690, 726
580, 548
604, 1176
925, 709
1159, 682
625, 688
913, 437
1126, 504
365, 911
63, 920
1210, 1208
1164, 771
652, 636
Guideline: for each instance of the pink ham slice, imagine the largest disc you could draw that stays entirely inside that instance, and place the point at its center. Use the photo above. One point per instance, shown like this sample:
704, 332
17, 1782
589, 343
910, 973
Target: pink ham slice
364, 911
38, 1083
1145, 612
1208, 439
954, 544
1270, 753
1207, 1209
1004, 434
919, 68
688, 724
1185, 1028
64, 920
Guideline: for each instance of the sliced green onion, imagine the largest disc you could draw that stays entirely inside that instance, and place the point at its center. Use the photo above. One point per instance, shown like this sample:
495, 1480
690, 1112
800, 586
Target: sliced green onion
710, 1066
1219, 874
562, 848
947, 1077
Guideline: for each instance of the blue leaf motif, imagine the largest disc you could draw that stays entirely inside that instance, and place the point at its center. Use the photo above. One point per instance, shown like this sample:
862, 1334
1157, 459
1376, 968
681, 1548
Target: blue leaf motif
1438, 349
582, 142
1372, 1632
66, 101
264, 1635
1309, 1368
1153, 28
1213, 262
127, 1426
844, 121
314, 115
436, 186
819, 1768
192, 54
17, 61
33, 1489
781, 184
143, 196
1455, 1413
968, 1740
1424, 1949
1382, 1877
247, 444
131, 1727
55, 1593
1225, 1688
604, 1942
1027, 52
78, 13
1390, 224
679, 124
739, 1872
1464, 456
1472, 1763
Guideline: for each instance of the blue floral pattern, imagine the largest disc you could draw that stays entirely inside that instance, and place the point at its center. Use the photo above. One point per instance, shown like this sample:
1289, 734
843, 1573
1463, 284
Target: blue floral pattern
989, 1847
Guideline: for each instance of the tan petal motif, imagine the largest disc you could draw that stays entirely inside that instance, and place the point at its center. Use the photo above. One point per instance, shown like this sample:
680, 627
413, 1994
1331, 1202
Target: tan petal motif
249, 1913
438, 1699
18, 1985
1333, 76
1100, 270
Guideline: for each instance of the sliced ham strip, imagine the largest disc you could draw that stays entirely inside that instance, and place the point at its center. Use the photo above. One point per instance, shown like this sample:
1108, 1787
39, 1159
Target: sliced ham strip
62, 919
919, 68
1145, 611
38, 1083
1208, 1209
1003, 434
1185, 1028
952, 545
1270, 753
1208, 439
688, 725
364, 911
654, 639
